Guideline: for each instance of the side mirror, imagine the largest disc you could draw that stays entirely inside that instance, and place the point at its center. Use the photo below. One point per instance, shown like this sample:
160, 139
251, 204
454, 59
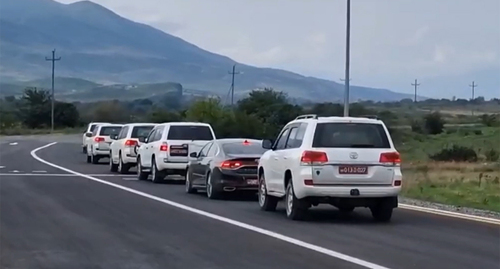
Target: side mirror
88, 134
193, 155
114, 137
145, 140
267, 144
142, 139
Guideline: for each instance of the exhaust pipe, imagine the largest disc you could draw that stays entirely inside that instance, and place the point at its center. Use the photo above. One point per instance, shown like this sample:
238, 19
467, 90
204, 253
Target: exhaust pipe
229, 188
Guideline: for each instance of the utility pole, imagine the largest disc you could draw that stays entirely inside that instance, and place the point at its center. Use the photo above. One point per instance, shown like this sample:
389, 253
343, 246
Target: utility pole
416, 86
52, 97
347, 59
232, 73
473, 86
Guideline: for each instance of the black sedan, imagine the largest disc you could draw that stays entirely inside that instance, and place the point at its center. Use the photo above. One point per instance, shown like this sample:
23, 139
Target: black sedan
225, 165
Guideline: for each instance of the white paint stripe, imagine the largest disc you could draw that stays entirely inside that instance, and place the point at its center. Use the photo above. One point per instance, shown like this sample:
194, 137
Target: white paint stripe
2, 167
450, 214
38, 171
15, 171
278, 236
13, 143
55, 175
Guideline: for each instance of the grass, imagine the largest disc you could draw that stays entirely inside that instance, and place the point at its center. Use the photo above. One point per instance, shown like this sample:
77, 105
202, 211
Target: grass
27, 131
461, 184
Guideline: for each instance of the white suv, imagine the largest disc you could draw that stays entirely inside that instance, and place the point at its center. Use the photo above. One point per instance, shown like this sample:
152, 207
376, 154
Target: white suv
166, 149
88, 133
100, 140
122, 150
347, 162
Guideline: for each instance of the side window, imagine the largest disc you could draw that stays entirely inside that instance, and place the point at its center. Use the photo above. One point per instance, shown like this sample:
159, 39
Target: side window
212, 150
205, 149
151, 135
159, 133
280, 144
291, 138
295, 140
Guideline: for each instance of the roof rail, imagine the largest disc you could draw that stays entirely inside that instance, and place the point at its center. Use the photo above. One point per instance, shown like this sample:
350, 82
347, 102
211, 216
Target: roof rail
307, 116
375, 117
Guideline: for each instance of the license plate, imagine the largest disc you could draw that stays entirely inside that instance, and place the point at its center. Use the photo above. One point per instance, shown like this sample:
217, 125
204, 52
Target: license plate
252, 181
179, 150
353, 170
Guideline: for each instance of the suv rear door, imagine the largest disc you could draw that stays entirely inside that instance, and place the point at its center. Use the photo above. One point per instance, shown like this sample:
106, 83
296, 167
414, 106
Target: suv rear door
182, 139
353, 151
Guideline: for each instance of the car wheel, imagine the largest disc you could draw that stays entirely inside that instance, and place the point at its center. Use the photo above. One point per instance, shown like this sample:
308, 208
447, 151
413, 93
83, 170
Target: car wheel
89, 159
84, 149
122, 167
295, 209
189, 184
266, 202
383, 211
211, 193
112, 166
95, 159
141, 175
157, 175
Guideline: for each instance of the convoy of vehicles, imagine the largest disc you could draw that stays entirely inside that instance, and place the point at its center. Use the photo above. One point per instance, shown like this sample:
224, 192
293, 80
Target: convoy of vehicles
346, 162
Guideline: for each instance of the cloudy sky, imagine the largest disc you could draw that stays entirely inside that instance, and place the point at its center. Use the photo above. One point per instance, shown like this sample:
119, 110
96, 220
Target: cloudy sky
392, 41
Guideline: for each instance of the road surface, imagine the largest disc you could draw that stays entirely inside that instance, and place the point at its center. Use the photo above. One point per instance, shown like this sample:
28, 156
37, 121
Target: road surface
53, 218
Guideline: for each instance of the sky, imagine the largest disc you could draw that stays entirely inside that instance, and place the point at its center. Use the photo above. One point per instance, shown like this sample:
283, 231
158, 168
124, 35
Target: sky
393, 42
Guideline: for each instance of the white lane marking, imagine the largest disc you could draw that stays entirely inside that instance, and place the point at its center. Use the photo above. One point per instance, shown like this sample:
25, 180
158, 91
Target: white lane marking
55, 175
450, 214
38, 171
13, 143
275, 235
14, 171
129, 178
2, 167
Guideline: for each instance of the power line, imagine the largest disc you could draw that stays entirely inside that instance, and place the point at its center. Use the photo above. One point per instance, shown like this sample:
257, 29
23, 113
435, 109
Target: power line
416, 86
53, 60
232, 73
473, 86
347, 59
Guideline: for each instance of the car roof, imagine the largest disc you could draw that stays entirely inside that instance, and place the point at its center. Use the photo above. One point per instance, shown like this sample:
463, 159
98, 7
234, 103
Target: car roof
183, 123
336, 119
140, 124
110, 125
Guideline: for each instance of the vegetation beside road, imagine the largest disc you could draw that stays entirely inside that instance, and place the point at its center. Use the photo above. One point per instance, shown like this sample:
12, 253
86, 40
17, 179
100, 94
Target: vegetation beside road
444, 160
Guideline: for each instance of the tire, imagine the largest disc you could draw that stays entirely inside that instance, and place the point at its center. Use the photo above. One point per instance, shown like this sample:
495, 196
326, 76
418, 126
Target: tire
158, 176
122, 167
112, 166
141, 175
296, 209
383, 211
95, 159
89, 159
211, 193
84, 149
266, 202
189, 186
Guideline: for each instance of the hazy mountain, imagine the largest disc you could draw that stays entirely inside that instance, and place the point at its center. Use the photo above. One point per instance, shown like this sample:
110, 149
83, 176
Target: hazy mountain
98, 45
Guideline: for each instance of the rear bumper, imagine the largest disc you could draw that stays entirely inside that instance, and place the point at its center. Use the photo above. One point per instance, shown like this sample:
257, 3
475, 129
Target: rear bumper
222, 182
347, 191
101, 152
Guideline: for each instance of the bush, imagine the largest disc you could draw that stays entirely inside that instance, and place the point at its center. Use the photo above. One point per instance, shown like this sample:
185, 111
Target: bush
455, 154
492, 155
434, 123
489, 120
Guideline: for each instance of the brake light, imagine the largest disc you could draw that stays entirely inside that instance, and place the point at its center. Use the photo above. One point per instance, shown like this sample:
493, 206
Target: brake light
130, 143
390, 157
313, 157
230, 164
246, 143
99, 139
164, 146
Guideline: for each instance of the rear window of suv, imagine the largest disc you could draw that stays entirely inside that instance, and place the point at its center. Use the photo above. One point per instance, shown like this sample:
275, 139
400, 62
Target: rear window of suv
190, 132
110, 130
350, 135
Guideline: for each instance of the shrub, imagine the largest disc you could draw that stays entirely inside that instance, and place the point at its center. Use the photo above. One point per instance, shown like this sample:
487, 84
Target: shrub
455, 154
434, 123
492, 155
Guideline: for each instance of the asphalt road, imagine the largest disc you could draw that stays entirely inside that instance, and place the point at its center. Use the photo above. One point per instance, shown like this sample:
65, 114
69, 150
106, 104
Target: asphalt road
51, 218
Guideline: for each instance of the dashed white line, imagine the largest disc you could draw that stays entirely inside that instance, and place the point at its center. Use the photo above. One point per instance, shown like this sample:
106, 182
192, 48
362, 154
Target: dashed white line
1, 167
13, 143
243, 225
14, 171
38, 171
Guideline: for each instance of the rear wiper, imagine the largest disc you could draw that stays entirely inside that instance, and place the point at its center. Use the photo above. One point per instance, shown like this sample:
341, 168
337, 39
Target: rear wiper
362, 146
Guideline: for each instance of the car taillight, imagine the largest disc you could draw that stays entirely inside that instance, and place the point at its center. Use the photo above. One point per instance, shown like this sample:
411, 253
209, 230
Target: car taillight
164, 146
313, 157
230, 164
99, 139
390, 157
130, 143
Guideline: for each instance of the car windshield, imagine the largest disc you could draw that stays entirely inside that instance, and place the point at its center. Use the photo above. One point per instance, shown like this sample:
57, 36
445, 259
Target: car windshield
190, 132
141, 131
350, 135
236, 148
110, 130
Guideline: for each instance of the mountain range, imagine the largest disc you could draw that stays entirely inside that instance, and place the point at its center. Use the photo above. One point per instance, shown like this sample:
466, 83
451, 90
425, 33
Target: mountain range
103, 48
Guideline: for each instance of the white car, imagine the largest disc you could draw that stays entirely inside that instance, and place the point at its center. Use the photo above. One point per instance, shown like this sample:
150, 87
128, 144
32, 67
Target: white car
88, 133
166, 149
347, 162
122, 152
98, 144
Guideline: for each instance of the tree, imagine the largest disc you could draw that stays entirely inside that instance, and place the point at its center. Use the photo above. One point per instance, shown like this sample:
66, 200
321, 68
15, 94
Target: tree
208, 110
66, 115
35, 108
434, 123
110, 111
162, 115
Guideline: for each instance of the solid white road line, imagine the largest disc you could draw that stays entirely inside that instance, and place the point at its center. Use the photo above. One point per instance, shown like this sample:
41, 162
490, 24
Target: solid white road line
55, 175
450, 214
2, 167
38, 171
278, 236
13, 143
